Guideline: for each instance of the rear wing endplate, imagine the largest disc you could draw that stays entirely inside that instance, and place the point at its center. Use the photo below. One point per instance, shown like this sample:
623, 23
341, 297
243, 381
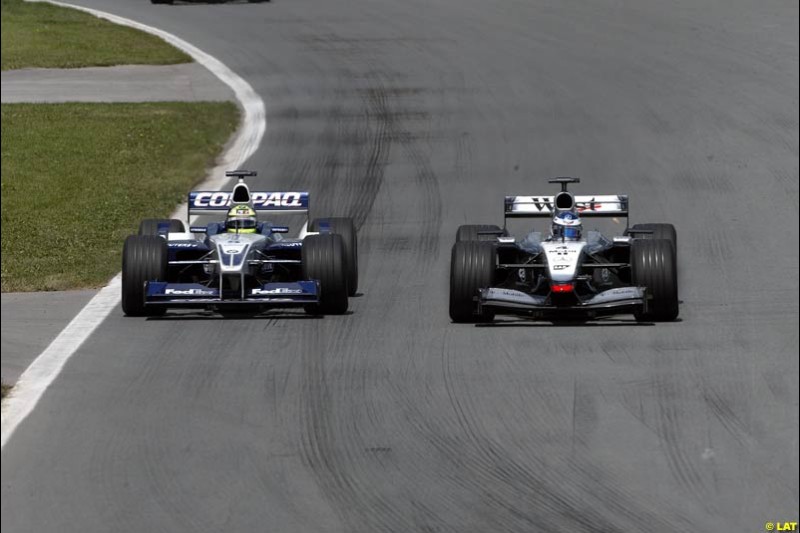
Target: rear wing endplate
609, 205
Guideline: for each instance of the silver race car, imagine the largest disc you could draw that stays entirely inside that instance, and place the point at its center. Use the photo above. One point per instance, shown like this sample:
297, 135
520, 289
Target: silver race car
240, 265
566, 273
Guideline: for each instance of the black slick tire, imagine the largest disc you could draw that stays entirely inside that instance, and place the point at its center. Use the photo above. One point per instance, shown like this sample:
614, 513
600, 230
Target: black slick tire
470, 232
660, 231
345, 227
144, 258
149, 226
654, 266
324, 260
472, 267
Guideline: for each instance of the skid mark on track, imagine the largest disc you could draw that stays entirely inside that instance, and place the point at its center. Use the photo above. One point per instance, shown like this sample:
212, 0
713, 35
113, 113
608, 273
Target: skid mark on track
529, 493
681, 465
318, 446
372, 121
381, 101
378, 154
332, 446
726, 415
503, 479
584, 413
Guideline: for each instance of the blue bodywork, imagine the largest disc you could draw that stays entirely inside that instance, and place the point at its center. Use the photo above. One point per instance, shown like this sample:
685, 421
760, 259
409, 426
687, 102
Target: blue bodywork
282, 294
268, 270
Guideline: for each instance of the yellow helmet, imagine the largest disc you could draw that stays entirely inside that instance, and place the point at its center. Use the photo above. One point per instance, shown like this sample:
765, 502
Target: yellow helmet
241, 219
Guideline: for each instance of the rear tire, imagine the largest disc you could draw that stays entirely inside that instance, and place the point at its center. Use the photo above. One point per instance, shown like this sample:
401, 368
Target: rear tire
149, 226
654, 265
472, 267
469, 232
144, 258
660, 231
346, 228
324, 260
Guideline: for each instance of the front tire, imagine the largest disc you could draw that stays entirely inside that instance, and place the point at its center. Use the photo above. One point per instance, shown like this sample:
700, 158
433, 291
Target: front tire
471, 232
324, 260
144, 258
654, 266
345, 227
660, 231
472, 267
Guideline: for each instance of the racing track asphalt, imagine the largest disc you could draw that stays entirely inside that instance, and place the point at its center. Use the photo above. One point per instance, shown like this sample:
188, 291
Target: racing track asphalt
415, 117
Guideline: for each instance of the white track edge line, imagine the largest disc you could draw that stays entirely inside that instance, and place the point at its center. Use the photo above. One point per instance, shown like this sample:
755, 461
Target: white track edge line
35, 380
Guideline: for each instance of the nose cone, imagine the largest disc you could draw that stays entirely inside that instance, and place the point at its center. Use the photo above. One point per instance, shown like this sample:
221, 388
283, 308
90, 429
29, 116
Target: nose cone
563, 259
562, 287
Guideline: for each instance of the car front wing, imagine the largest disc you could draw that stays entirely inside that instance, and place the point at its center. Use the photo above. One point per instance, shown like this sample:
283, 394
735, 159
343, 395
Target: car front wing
290, 294
616, 301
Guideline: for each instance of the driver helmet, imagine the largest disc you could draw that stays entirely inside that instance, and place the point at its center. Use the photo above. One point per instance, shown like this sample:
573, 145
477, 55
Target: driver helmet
241, 219
567, 225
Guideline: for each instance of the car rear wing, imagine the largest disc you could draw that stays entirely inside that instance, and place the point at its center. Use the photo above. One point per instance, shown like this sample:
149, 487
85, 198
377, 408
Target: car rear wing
212, 202
545, 206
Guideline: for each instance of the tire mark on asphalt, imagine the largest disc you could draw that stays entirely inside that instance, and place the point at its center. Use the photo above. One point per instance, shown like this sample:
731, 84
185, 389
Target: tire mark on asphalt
326, 450
518, 497
725, 414
560, 506
668, 424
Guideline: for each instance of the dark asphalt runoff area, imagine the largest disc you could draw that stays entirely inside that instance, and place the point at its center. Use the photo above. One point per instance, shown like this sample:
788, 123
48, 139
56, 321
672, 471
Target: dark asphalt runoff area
414, 117
30, 321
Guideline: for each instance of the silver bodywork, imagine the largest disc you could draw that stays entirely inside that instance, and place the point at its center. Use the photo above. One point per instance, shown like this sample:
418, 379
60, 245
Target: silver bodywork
556, 275
235, 250
563, 258
562, 261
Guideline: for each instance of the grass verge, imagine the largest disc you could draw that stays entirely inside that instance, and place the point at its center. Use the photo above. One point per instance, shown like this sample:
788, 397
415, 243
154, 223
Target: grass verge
77, 178
40, 35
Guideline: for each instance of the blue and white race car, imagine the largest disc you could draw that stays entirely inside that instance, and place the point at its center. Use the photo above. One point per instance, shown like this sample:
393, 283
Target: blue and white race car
566, 273
236, 267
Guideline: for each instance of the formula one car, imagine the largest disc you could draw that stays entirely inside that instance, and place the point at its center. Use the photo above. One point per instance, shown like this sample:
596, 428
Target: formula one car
570, 274
240, 265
